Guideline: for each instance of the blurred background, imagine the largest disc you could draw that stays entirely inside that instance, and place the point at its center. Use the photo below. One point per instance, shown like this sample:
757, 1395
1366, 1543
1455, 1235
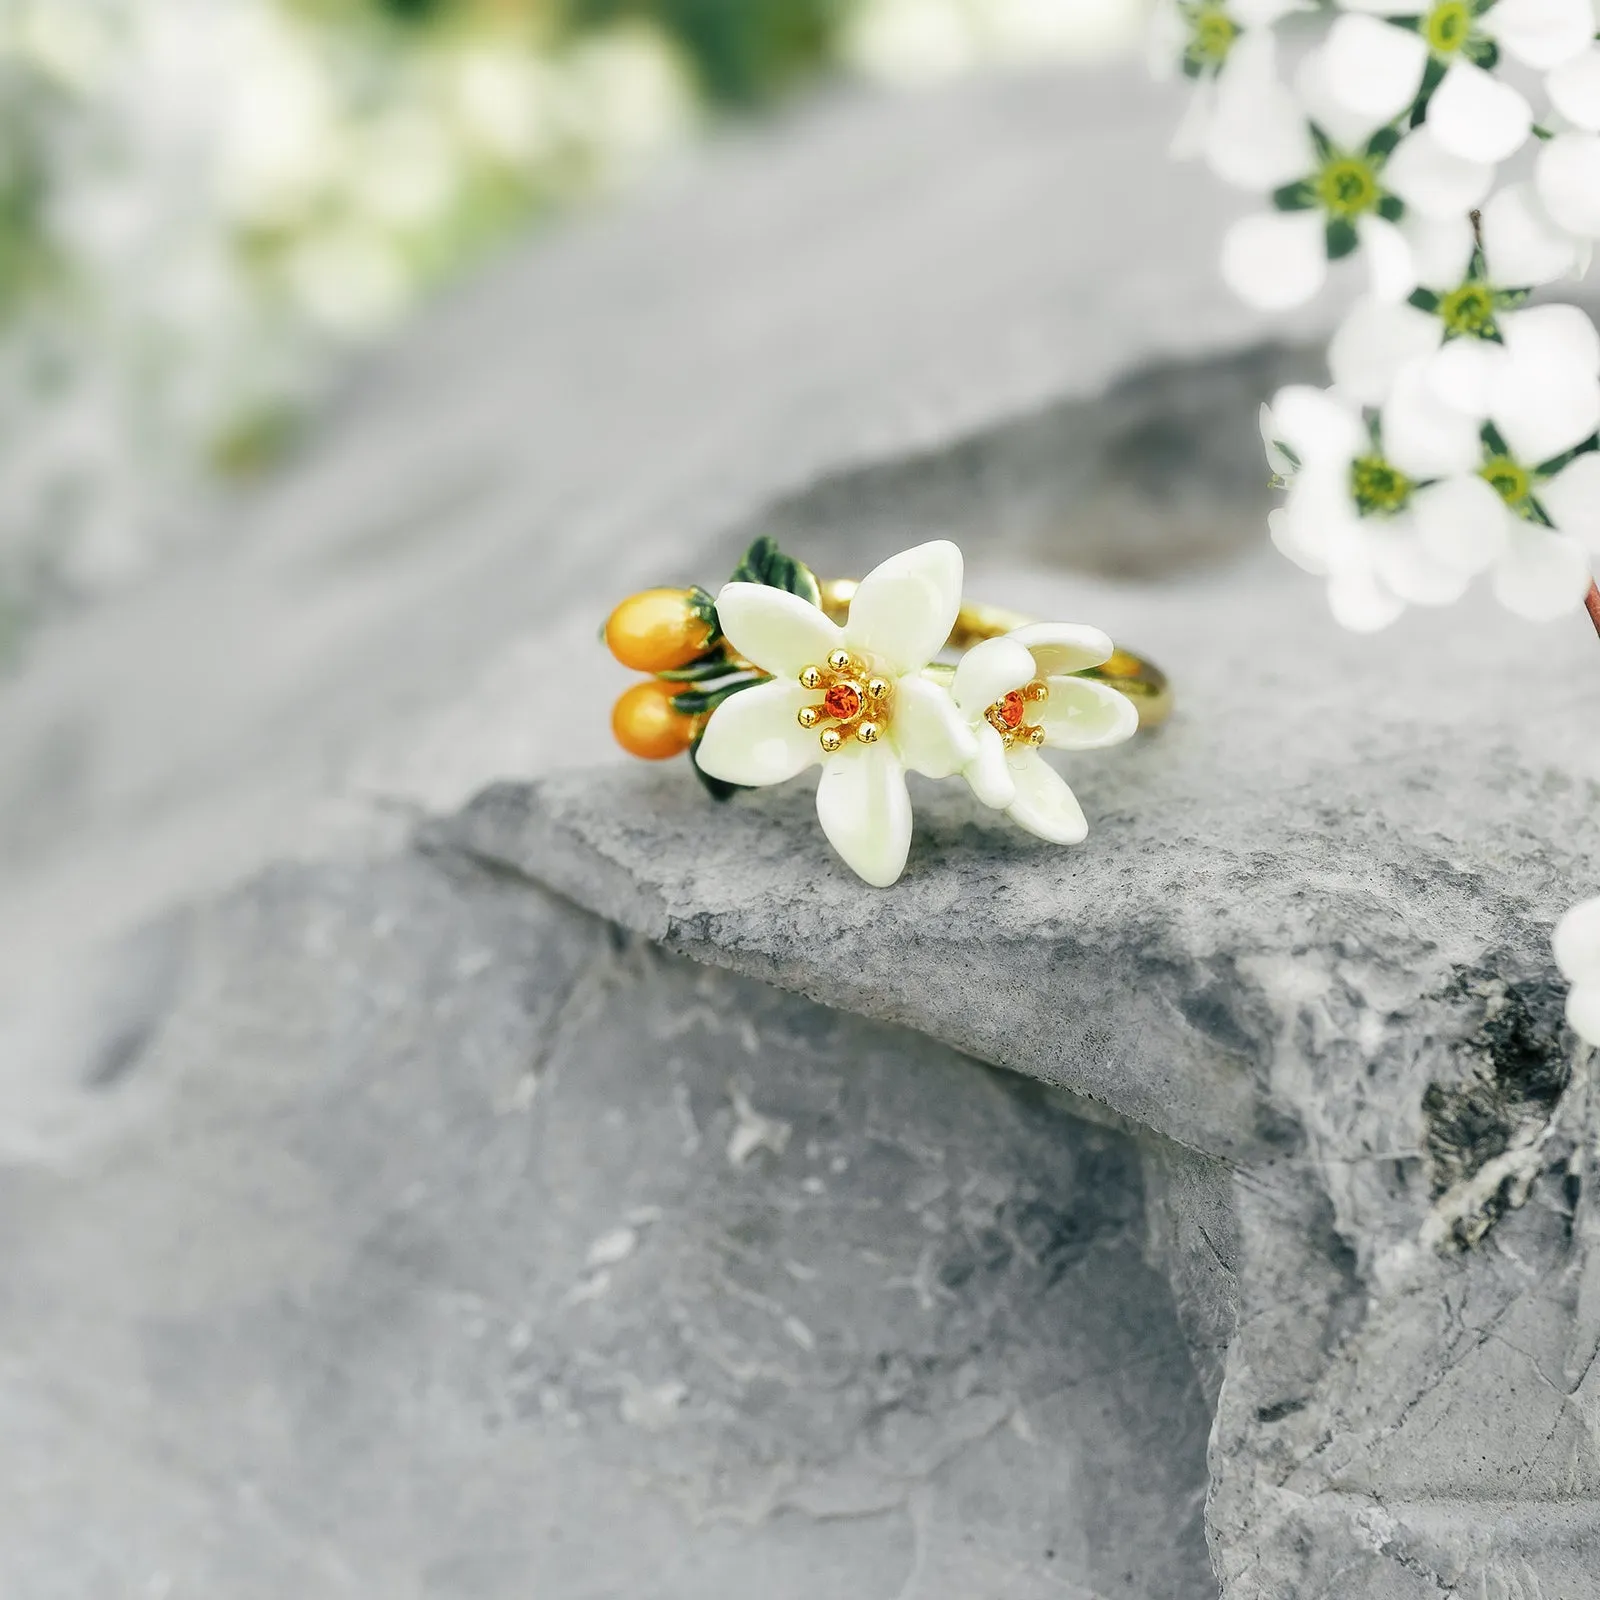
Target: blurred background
209, 207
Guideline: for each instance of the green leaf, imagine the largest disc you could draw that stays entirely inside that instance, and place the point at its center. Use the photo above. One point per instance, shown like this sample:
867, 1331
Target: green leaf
1342, 238
1548, 469
1325, 148
765, 563
1295, 197
1391, 208
696, 702
1382, 143
701, 671
1432, 77
1193, 66
1424, 300
1491, 437
1484, 53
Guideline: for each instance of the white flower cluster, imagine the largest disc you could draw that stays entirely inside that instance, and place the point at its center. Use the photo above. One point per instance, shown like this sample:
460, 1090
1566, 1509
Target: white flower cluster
1459, 436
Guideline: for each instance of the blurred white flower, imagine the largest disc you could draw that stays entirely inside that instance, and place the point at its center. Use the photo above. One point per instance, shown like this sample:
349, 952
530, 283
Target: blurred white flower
1568, 168
1342, 179
1577, 950
1466, 294
1442, 53
1406, 507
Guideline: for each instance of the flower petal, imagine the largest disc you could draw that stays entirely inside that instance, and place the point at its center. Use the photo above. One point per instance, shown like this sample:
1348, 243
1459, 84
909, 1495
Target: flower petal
1391, 268
1568, 180
865, 810
1408, 569
1541, 33
1424, 437
1543, 575
1522, 246
1360, 603
1441, 248
1583, 1012
1289, 534
753, 737
989, 773
1044, 805
1574, 89
1256, 136
1324, 104
1463, 375
904, 609
1321, 428
1194, 126
1462, 523
989, 670
1435, 181
929, 730
1548, 397
1576, 942
1084, 715
1276, 260
1477, 117
1063, 646
1374, 68
1572, 499
778, 631
1374, 342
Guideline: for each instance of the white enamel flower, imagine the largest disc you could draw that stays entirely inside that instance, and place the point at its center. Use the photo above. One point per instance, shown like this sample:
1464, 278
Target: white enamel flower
1228, 49
1341, 180
1577, 948
1466, 295
1018, 694
1568, 168
1443, 52
1409, 506
852, 698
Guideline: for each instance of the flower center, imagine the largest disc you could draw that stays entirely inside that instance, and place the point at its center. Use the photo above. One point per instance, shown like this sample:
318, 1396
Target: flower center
1509, 479
1211, 34
1447, 26
856, 702
1008, 716
1379, 489
1468, 310
1348, 186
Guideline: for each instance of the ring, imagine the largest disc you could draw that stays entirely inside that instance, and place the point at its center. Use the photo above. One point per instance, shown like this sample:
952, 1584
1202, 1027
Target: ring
778, 672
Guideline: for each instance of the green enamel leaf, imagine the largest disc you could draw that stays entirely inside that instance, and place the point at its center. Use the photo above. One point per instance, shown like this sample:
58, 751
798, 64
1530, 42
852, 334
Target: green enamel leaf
765, 563
696, 702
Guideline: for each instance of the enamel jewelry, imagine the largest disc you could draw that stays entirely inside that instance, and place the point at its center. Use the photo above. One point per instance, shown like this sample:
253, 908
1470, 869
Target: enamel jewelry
778, 673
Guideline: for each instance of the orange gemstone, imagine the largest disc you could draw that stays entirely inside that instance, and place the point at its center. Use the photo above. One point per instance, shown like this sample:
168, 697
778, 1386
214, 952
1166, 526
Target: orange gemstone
1011, 709
842, 702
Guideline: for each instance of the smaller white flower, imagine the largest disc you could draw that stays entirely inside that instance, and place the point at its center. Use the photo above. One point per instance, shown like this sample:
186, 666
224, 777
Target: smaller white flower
1442, 54
1577, 948
1466, 294
1019, 694
852, 698
1341, 180
1568, 168
1228, 50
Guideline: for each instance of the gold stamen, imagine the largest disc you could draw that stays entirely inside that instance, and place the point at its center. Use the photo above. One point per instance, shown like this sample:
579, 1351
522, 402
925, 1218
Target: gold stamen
831, 739
810, 677
867, 733
839, 660
809, 716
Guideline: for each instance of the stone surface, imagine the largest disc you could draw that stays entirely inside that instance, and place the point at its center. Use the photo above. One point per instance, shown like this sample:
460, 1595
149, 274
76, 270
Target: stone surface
386, 1227
440, 1240
1306, 945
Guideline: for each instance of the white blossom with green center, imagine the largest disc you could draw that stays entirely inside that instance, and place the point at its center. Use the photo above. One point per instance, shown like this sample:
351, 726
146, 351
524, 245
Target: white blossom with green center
1435, 59
1466, 310
1568, 168
1340, 180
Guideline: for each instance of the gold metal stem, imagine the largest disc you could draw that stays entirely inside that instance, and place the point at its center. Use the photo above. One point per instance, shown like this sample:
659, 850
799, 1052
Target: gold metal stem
1142, 681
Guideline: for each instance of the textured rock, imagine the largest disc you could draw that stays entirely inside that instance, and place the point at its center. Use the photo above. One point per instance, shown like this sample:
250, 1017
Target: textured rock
1307, 944
441, 1241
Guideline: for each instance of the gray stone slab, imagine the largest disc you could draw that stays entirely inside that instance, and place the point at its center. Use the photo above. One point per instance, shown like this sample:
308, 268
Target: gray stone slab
440, 1240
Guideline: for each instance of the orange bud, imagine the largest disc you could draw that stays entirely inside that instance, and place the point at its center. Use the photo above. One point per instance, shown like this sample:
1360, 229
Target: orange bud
647, 724
657, 630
